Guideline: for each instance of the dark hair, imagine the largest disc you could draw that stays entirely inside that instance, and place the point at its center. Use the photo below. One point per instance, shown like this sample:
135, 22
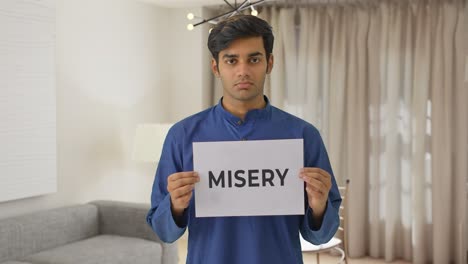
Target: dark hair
239, 26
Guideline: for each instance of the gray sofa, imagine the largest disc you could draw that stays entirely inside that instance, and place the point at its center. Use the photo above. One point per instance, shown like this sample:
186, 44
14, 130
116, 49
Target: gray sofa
97, 232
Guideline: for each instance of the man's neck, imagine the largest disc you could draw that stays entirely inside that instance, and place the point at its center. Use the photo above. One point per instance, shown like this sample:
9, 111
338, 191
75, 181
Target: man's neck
240, 109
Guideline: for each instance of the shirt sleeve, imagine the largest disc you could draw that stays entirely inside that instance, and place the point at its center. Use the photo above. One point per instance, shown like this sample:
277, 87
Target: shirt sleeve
160, 216
316, 156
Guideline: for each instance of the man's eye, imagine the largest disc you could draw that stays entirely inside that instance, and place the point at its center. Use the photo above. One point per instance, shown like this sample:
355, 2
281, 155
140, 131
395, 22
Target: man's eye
231, 61
255, 60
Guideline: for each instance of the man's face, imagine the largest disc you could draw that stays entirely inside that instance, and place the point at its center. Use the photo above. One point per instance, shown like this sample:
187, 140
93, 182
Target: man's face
242, 68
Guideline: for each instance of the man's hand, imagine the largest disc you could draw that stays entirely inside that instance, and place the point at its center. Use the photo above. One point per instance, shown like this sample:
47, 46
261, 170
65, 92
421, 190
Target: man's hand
318, 184
180, 186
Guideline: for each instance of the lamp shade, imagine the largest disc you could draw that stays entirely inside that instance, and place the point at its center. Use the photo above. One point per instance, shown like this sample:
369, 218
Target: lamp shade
149, 140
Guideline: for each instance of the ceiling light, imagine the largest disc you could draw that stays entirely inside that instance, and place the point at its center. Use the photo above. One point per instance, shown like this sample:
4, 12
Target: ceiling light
254, 12
234, 10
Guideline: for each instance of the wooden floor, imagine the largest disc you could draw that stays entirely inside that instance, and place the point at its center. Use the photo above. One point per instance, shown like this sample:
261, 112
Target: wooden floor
309, 258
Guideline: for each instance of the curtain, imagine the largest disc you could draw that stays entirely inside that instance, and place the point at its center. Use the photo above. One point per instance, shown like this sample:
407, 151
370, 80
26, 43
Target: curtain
383, 82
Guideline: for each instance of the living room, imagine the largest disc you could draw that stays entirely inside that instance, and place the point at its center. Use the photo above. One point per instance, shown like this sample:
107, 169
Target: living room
117, 64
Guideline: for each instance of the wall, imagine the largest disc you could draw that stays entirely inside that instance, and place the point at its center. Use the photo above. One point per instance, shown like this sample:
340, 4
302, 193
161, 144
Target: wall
111, 74
190, 75
466, 87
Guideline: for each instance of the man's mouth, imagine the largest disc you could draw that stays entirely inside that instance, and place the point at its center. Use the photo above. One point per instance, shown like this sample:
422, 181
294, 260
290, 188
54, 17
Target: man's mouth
244, 85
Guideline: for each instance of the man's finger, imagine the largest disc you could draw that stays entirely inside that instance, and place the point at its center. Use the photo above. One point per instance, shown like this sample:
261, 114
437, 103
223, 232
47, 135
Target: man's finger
315, 183
184, 174
182, 191
313, 169
319, 177
182, 182
319, 174
313, 191
317, 171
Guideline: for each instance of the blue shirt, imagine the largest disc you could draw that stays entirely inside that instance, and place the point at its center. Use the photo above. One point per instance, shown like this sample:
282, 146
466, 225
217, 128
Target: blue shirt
247, 239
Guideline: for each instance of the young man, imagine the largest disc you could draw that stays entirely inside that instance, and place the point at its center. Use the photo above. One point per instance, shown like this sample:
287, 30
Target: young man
241, 47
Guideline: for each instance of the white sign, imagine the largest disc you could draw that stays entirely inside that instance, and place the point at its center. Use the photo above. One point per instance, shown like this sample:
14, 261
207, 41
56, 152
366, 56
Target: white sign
247, 178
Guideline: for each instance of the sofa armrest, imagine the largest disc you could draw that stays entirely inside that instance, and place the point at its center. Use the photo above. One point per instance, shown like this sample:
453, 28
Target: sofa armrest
129, 219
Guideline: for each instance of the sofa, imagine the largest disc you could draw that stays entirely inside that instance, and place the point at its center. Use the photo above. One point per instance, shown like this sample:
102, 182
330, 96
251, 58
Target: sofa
96, 232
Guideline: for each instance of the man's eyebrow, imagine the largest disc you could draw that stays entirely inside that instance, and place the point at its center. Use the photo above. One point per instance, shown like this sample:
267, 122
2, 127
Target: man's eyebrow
253, 54
256, 54
230, 56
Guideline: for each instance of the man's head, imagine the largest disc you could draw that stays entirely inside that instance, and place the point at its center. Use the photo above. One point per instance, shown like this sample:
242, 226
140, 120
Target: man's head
236, 27
241, 48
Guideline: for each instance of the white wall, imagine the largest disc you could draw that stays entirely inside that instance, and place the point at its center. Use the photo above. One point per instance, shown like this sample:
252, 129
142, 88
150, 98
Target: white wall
112, 73
119, 63
190, 75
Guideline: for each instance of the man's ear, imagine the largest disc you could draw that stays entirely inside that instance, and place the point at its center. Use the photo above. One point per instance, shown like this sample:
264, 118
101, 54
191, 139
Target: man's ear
270, 63
214, 67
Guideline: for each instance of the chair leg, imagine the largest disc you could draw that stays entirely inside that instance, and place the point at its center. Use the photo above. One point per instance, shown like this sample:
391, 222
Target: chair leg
318, 258
343, 255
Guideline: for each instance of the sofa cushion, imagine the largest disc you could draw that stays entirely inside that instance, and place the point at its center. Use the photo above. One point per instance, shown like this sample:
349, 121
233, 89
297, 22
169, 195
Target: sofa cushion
101, 250
27, 234
124, 219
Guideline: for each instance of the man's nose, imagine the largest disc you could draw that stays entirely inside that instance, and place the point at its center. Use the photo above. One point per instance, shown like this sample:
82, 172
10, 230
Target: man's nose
243, 69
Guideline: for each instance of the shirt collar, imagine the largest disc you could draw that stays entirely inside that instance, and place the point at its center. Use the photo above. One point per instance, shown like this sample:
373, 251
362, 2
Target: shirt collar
262, 113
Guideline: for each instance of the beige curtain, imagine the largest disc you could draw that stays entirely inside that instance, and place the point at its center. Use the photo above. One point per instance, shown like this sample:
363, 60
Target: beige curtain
383, 82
